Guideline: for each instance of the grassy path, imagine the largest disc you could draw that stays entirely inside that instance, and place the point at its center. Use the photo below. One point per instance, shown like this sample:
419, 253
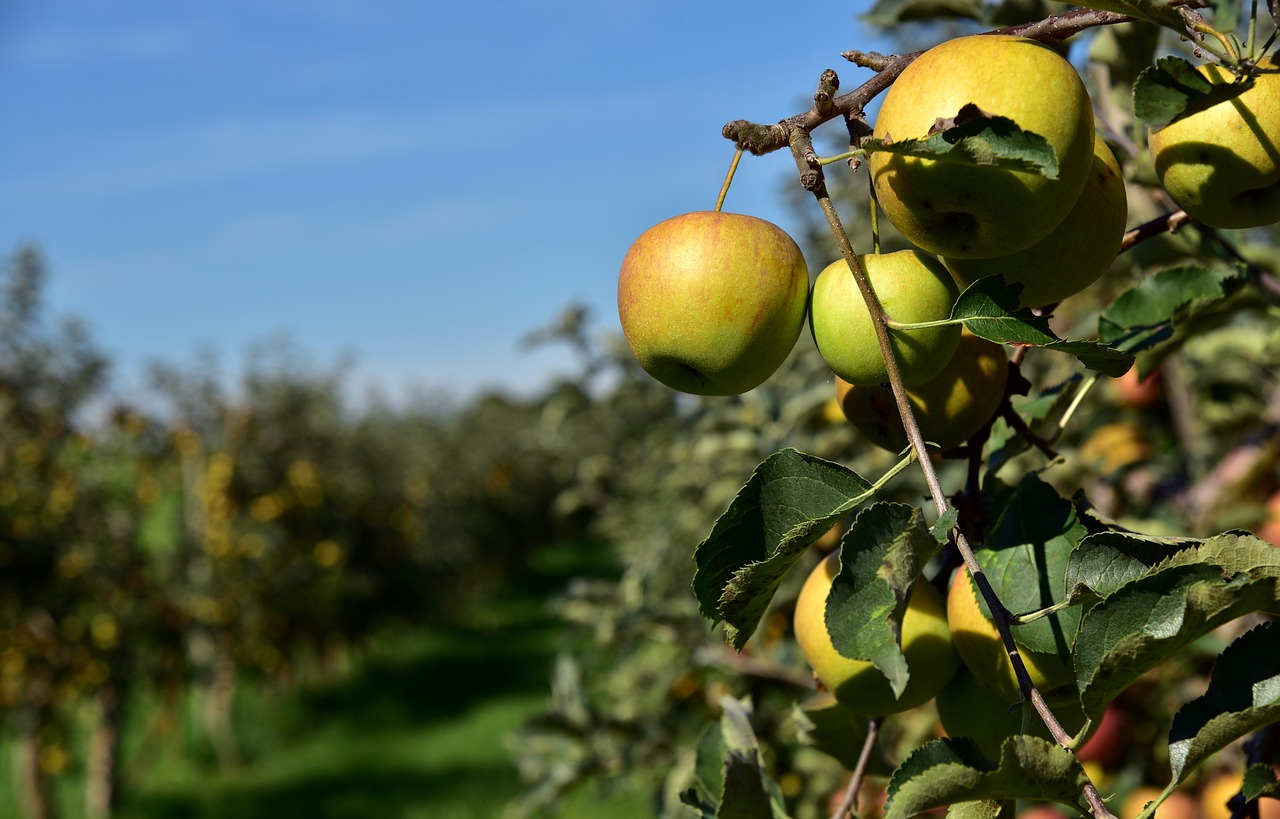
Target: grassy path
415, 732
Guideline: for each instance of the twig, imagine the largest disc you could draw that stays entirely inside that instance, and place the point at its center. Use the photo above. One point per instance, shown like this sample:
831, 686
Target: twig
859, 770
813, 179
762, 139
1170, 222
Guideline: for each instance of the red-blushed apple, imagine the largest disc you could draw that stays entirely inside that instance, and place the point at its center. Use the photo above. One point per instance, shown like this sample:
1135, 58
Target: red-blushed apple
913, 288
1138, 393
1108, 743
712, 303
1221, 164
960, 210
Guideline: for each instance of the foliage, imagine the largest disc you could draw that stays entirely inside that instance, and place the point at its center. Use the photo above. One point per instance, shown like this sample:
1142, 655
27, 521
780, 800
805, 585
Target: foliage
1134, 536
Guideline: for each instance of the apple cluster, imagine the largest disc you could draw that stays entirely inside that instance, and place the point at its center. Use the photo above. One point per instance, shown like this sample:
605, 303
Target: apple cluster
712, 303
953, 653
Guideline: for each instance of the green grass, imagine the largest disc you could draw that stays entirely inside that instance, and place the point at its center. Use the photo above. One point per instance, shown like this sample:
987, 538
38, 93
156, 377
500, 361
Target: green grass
414, 732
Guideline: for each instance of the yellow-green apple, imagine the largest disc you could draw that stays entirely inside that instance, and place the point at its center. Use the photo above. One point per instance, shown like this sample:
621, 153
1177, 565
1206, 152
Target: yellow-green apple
949, 410
859, 685
1075, 253
913, 288
962, 210
977, 641
1221, 164
712, 303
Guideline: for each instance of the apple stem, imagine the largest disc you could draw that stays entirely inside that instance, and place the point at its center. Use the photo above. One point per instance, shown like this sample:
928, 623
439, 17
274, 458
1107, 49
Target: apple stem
813, 180
728, 179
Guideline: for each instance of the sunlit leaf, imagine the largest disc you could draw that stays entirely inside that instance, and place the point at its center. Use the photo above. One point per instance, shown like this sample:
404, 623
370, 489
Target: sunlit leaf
973, 137
1173, 88
881, 556
789, 502
1243, 696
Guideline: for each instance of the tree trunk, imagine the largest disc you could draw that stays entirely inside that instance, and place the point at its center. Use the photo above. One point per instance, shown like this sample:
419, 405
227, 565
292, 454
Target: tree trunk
219, 710
28, 774
102, 768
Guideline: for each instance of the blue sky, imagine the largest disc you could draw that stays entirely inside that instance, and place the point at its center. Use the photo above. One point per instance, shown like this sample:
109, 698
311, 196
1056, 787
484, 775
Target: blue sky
417, 183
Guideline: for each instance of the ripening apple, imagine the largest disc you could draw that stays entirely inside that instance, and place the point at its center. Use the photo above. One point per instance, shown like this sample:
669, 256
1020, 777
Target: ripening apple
949, 410
712, 303
978, 643
1222, 164
859, 685
1075, 253
968, 211
913, 288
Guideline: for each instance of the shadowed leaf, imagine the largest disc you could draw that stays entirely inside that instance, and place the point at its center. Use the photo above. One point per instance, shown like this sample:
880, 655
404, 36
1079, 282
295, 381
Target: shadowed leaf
949, 771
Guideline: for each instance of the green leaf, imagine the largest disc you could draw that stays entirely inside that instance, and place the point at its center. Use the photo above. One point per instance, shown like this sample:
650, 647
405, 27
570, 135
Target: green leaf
1146, 315
1103, 563
748, 792
977, 809
990, 308
840, 733
1173, 88
1025, 559
1148, 620
881, 556
1153, 11
1243, 696
948, 771
973, 137
1260, 780
789, 502
941, 528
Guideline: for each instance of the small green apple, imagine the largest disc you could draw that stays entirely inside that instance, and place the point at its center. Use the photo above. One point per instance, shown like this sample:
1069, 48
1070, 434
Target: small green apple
1222, 164
913, 288
712, 303
969, 211
950, 409
1075, 253
857, 684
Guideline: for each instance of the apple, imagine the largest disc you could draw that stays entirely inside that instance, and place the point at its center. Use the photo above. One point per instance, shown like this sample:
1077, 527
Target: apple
1216, 792
1075, 253
950, 409
858, 685
1222, 164
712, 303
1117, 446
1107, 744
1269, 528
968, 211
912, 288
978, 643
1130, 391
1178, 805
